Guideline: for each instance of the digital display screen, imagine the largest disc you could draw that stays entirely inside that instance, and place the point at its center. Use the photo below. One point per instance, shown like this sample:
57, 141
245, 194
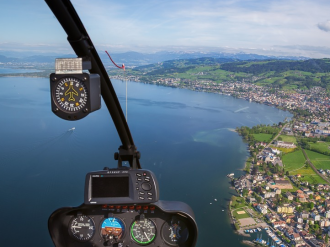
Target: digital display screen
110, 187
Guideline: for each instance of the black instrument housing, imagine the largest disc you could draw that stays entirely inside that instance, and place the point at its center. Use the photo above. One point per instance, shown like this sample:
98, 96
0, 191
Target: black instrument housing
121, 185
159, 212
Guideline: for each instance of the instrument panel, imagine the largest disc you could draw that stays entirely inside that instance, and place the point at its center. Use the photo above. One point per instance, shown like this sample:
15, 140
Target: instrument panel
163, 223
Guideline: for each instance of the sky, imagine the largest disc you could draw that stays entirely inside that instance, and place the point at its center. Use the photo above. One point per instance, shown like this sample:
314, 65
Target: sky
269, 27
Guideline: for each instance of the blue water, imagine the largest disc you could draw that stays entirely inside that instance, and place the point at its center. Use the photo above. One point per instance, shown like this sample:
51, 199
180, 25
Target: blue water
184, 137
5, 70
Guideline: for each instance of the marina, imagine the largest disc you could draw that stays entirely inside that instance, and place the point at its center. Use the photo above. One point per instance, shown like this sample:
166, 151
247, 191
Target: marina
271, 238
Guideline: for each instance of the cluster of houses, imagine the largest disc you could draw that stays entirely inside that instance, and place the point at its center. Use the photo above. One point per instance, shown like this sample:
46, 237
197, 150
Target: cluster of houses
324, 172
268, 154
291, 218
314, 128
292, 222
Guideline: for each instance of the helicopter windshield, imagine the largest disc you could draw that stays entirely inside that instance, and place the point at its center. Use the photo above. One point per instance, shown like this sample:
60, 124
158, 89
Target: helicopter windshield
181, 108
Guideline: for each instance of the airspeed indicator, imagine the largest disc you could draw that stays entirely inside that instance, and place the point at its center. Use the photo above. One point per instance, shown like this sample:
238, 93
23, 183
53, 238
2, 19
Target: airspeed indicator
143, 231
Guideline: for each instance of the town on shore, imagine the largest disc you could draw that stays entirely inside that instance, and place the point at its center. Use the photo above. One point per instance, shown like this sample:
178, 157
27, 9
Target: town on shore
314, 102
285, 189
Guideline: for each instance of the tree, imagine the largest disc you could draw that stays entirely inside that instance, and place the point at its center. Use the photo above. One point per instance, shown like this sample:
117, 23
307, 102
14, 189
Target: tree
285, 200
316, 227
258, 198
311, 205
246, 191
287, 173
255, 170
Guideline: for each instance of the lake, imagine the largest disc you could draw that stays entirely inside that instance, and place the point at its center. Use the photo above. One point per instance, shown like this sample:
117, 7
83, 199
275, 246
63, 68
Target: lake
13, 70
186, 138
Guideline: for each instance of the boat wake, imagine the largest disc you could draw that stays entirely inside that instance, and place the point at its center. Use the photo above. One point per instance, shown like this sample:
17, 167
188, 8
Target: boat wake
244, 108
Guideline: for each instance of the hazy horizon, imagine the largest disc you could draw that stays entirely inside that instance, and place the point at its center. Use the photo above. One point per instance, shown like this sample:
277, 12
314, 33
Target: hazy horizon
277, 28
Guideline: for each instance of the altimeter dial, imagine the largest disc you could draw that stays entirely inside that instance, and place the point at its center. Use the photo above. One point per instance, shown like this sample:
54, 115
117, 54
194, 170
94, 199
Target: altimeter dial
82, 228
70, 94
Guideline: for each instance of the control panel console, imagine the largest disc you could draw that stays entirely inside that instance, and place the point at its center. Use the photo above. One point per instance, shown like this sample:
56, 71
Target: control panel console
121, 185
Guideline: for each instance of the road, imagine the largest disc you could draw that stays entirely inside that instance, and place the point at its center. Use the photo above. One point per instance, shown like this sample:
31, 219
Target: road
273, 138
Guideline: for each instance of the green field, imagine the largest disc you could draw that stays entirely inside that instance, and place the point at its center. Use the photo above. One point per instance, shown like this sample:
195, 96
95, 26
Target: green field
320, 147
295, 164
240, 216
286, 138
320, 161
294, 161
263, 137
237, 202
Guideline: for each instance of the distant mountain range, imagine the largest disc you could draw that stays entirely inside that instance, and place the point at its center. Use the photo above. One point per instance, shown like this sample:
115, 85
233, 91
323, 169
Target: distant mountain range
132, 59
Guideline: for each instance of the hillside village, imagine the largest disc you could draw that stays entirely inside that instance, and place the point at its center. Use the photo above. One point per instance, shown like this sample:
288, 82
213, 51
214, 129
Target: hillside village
314, 101
294, 208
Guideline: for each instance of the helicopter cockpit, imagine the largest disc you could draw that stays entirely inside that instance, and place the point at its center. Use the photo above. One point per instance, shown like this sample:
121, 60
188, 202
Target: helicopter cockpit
122, 205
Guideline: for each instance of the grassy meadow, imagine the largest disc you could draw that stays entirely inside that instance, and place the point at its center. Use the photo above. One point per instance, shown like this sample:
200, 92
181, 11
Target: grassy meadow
322, 147
295, 164
320, 161
261, 137
287, 138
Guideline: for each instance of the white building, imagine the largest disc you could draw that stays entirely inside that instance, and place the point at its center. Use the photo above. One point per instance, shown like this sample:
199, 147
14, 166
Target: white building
262, 208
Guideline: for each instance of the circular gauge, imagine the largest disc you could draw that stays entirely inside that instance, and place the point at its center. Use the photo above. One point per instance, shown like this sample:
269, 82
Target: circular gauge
82, 228
143, 231
175, 232
112, 229
70, 94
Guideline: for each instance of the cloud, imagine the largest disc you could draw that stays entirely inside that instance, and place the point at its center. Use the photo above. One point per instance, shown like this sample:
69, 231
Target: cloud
324, 26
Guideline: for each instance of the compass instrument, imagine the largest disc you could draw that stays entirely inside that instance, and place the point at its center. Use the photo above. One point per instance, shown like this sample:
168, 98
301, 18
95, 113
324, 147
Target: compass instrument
82, 228
71, 94
74, 94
